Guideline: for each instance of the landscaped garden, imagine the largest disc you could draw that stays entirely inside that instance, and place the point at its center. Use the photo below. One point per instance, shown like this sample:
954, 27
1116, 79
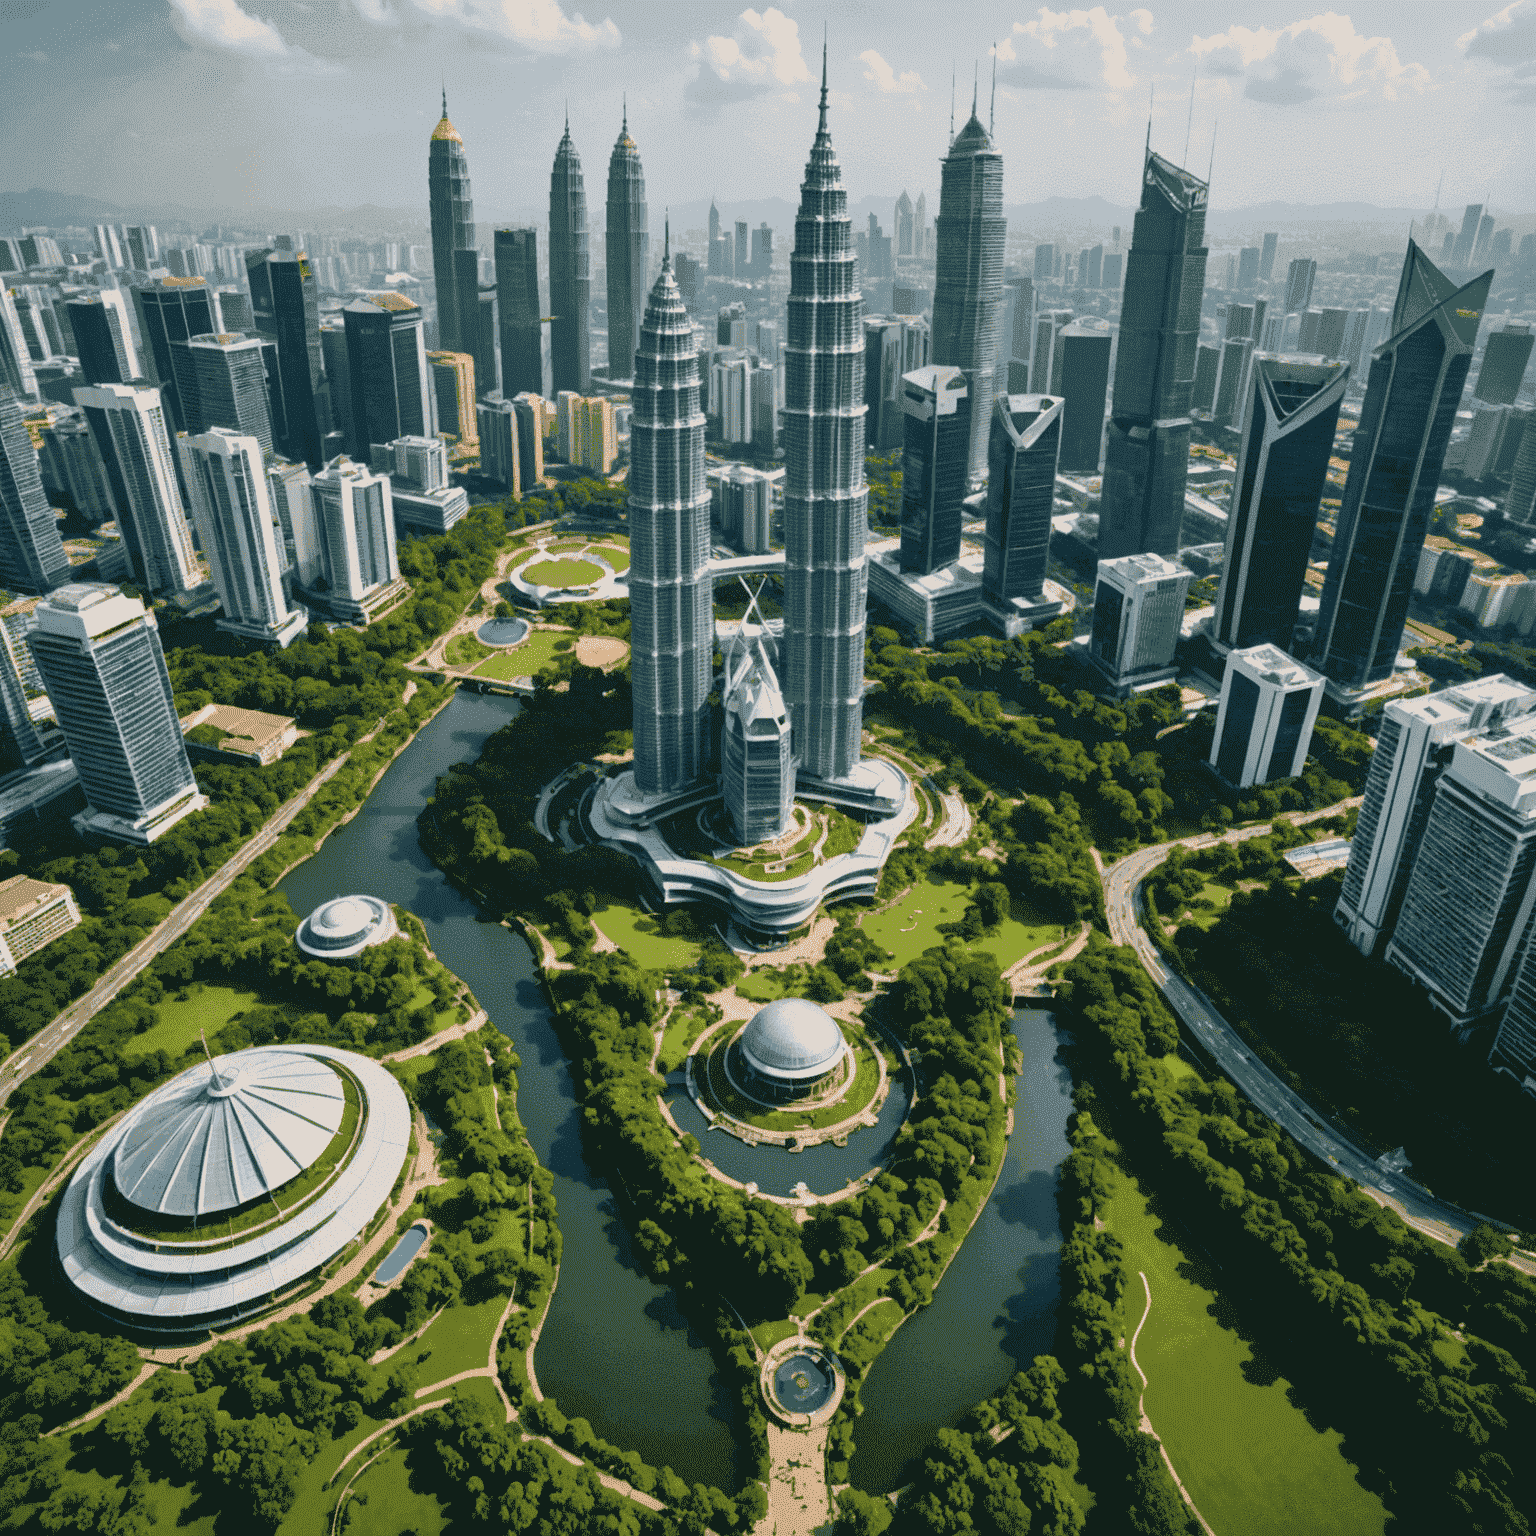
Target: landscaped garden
915, 922
539, 650
562, 573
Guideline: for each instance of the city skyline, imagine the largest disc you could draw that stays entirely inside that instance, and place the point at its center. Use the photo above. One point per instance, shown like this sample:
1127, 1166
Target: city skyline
339, 74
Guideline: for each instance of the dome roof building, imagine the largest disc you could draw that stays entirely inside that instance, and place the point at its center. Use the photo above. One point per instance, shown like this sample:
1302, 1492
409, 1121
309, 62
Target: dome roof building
791, 1049
344, 927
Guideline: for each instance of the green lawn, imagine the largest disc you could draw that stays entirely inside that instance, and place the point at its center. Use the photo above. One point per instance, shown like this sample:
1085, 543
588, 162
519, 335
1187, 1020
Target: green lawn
683, 1028
465, 650
460, 1340
912, 925
617, 558
563, 573
383, 1502
636, 935
209, 1008
1251, 1461
533, 655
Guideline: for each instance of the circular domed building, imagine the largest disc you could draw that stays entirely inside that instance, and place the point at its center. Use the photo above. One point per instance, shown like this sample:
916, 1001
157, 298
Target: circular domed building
232, 1183
792, 1050
342, 928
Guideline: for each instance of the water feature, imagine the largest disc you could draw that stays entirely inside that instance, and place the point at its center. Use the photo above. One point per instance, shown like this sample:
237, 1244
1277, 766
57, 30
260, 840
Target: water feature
803, 1383
503, 631
401, 1255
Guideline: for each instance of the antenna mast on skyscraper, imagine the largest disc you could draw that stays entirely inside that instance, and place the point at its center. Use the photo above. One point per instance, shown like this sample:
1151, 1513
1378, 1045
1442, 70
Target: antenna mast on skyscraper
1151, 106
1189, 126
1212, 166
951, 103
992, 110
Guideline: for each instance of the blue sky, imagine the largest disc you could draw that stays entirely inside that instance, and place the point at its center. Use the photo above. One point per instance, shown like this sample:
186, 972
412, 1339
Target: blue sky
295, 103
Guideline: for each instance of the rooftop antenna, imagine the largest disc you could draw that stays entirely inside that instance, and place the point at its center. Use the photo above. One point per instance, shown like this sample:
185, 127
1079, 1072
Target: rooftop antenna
625, 99
218, 1082
666, 252
992, 110
975, 85
1212, 166
1151, 104
1189, 126
445, 96
951, 103
822, 128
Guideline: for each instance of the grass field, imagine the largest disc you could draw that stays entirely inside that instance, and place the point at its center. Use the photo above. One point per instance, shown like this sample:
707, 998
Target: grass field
912, 925
1250, 1459
636, 935
533, 655
383, 1503
175, 1031
617, 558
460, 1340
563, 573
465, 650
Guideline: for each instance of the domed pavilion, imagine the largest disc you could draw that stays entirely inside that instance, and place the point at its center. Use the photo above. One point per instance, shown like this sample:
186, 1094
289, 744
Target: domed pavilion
792, 1050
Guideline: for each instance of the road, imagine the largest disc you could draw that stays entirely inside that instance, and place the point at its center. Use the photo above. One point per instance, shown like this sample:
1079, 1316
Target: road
1221, 1042
37, 1052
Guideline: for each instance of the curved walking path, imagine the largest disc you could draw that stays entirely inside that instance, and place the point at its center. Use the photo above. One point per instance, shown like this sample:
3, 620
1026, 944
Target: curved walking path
1146, 1423
145, 1372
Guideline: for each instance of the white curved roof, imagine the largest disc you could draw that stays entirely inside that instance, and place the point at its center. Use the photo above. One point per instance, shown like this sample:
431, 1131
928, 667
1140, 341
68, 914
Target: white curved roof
792, 1038
217, 1136
345, 926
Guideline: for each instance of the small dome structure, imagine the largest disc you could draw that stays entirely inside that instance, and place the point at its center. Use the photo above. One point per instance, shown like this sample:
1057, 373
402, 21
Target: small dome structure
790, 1049
345, 926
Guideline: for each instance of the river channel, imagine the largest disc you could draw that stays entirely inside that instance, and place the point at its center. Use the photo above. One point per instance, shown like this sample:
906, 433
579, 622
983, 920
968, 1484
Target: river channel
614, 1349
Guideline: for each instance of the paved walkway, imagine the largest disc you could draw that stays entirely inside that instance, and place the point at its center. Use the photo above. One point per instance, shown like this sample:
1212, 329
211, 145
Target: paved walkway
431, 1043
799, 1501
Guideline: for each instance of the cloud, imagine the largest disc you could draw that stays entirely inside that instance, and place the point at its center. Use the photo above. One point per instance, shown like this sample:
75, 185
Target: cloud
761, 55
886, 79
1507, 41
541, 25
1321, 57
223, 24
1070, 50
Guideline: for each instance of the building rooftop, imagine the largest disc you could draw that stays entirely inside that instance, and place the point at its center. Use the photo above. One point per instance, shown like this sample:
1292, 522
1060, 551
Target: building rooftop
1274, 666
245, 725
792, 1038
21, 896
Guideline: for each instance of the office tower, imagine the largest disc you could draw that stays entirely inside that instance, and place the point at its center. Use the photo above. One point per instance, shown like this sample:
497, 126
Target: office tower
1298, 285
1415, 387
423, 502
743, 249
222, 381
40, 251
1482, 239
129, 425
453, 229
588, 431
1091, 268
478, 322
1234, 359
921, 243
392, 393
1084, 388
171, 310
227, 486
570, 272
1147, 452
1203, 391
1354, 337
453, 387
1231, 282
741, 499
1468, 898
107, 245
338, 378
99, 654
1269, 704
1461, 252
628, 241
1113, 265
1019, 326
294, 508
284, 298
1485, 442
1045, 365
517, 291
1413, 748
10, 254
893, 346
1330, 333
762, 253
16, 371
935, 462
354, 514
1138, 611
532, 412
497, 418
71, 465
1287, 427
103, 337
968, 280
143, 245
757, 762
1520, 504
671, 606
1045, 263
1021, 479
902, 224
32, 557
825, 500
1248, 268
22, 744
1267, 257
235, 309
1514, 1045
1505, 357
716, 262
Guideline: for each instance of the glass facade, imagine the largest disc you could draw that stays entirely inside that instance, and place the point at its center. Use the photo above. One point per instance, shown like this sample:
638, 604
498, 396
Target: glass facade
1237, 727
517, 293
452, 207
570, 272
176, 309
935, 457
32, 557
628, 241
1021, 482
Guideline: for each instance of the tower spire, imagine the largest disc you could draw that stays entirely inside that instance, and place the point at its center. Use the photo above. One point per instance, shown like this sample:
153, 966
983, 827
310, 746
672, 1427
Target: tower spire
625, 100
445, 98
666, 250
821, 126
1212, 166
1151, 104
992, 110
1190, 124
975, 85
951, 103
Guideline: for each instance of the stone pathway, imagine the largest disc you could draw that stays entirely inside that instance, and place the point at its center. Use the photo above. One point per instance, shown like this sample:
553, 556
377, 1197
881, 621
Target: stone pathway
442, 1037
799, 1501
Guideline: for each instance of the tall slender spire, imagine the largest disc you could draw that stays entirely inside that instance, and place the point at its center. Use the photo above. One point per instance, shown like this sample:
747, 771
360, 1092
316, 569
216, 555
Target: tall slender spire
666, 250
821, 126
951, 103
625, 99
445, 98
1212, 167
1190, 122
992, 110
975, 85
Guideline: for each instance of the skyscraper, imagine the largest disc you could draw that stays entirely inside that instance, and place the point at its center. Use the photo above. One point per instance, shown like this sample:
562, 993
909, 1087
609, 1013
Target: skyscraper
903, 223
1298, 285
32, 557
21, 742
1287, 427
1410, 405
71, 465
1084, 387
672, 616
1138, 607
968, 280
716, 261
936, 410
1520, 503
1147, 454
284, 297
1267, 256
570, 272
497, 428
453, 229
228, 490
103, 337
99, 654
1461, 252
1269, 704
477, 321
1248, 269
893, 346
628, 240
128, 423
743, 250
825, 500
1505, 358
757, 764
223, 383
171, 310
1021, 481
920, 226
16, 371
392, 393
517, 292
356, 522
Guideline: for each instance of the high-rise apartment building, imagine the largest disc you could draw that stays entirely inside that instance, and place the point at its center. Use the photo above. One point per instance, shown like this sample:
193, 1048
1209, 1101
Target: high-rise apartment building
1415, 386
453, 387
1298, 285
1287, 428
1084, 388
171, 310
825, 501
99, 654
294, 509
392, 390
1269, 704
934, 466
588, 431
128, 423
1147, 452
517, 292
1267, 256
903, 224
672, 615
968, 279
227, 485
1021, 481
285, 301
452, 206
570, 272
71, 465
533, 412
1413, 748
1461, 252
1138, 610
354, 514
894, 345
628, 242
1505, 358
16, 371
498, 442
222, 381
32, 557
741, 501
103, 337
1520, 503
